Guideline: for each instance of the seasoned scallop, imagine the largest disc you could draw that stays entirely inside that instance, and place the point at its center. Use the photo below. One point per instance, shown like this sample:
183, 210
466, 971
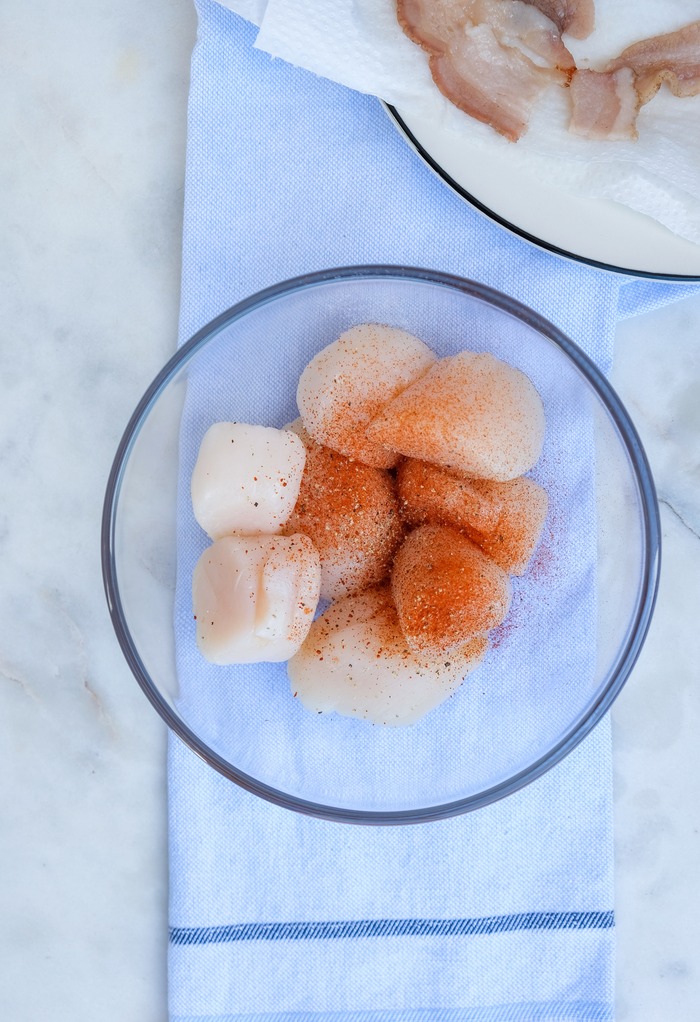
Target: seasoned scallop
355, 662
351, 512
350, 380
504, 519
446, 590
246, 478
297, 426
254, 597
428, 493
473, 413
512, 541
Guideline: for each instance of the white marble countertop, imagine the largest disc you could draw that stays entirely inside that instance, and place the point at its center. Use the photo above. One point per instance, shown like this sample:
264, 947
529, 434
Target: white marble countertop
93, 134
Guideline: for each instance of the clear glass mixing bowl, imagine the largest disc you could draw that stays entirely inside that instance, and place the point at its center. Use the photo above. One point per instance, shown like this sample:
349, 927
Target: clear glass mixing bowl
578, 618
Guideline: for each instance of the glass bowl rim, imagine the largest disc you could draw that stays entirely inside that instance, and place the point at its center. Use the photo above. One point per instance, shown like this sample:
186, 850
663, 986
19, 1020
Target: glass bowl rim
619, 670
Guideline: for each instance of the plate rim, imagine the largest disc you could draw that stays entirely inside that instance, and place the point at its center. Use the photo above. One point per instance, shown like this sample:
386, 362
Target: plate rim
520, 232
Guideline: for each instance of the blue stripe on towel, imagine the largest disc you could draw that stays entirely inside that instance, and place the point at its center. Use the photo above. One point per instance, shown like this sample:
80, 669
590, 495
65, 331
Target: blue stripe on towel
392, 927
550, 1011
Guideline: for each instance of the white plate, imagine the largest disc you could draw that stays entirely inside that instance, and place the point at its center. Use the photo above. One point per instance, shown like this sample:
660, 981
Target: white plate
594, 231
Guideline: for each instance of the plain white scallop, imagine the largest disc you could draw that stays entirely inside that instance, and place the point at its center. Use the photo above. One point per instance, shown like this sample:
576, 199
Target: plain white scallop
246, 479
254, 597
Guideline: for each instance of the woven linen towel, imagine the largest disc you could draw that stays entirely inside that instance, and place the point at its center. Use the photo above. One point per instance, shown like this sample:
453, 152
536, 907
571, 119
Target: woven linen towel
503, 914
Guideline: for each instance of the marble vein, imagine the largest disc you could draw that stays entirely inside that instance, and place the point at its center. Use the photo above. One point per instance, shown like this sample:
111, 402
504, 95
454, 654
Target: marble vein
667, 503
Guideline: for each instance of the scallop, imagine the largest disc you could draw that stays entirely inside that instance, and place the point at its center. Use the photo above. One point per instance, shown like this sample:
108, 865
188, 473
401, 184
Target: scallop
254, 597
429, 493
513, 539
246, 479
446, 590
355, 662
470, 412
351, 512
504, 519
297, 426
348, 383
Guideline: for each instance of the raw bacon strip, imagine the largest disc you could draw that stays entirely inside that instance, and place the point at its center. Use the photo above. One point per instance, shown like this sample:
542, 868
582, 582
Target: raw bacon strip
604, 104
440, 25
521, 26
430, 24
673, 58
491, 58
496, 86
577, 17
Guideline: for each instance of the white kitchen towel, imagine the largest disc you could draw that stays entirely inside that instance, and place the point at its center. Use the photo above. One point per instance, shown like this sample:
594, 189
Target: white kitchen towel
503, 914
